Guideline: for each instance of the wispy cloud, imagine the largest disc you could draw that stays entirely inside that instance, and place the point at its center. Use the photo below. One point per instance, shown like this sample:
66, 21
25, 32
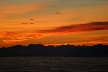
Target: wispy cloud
59, 31
7, 34
22, 38
93, 26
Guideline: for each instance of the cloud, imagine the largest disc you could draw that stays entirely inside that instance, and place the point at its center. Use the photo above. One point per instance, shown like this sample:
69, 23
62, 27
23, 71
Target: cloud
7, 34
59, 31
92, 42
22, 38
93, 26
83, 41
27, 23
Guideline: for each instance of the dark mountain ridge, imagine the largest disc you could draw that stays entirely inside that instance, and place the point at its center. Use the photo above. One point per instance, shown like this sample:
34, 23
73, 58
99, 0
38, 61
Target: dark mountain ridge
52, 51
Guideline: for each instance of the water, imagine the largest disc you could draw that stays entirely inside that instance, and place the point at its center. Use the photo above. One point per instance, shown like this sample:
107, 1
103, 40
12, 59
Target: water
53, 64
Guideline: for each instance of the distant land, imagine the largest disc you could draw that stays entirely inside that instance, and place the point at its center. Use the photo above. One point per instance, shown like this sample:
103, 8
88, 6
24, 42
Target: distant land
40, 50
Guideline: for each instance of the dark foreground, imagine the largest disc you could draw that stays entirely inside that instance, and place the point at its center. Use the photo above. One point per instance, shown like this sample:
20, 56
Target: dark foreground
40, 50
53, 64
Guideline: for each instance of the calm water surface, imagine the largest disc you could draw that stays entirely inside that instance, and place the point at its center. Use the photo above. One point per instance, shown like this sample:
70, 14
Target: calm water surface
53, 64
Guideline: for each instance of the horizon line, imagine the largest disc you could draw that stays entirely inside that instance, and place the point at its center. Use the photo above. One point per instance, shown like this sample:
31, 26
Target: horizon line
56, 45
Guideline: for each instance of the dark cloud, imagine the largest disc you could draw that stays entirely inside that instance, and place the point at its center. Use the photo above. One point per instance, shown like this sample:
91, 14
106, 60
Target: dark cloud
24, 23
93, 26
58, 13
31, 19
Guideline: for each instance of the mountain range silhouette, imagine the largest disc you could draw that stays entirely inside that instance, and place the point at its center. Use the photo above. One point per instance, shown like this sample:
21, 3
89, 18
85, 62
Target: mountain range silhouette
40, 50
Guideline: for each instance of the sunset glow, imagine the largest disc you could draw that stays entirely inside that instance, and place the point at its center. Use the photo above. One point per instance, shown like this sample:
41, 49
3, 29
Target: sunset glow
53, 22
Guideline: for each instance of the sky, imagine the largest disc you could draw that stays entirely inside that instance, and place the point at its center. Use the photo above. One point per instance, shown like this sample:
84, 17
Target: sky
53, 22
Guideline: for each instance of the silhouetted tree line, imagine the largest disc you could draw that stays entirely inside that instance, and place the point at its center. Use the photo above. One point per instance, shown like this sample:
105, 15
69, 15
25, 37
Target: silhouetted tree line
58, 51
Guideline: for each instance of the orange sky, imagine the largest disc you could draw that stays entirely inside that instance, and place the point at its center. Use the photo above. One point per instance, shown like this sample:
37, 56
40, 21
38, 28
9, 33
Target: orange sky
54, 22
